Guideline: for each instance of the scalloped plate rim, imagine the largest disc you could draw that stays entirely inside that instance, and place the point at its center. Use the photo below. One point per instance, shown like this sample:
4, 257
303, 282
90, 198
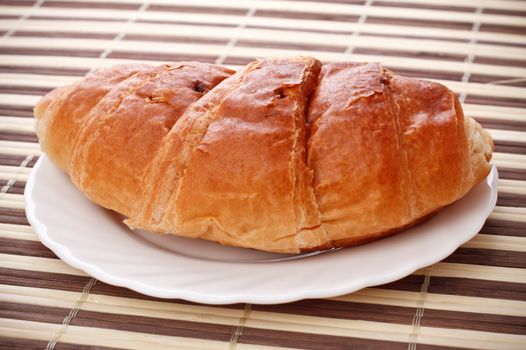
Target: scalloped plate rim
94, 270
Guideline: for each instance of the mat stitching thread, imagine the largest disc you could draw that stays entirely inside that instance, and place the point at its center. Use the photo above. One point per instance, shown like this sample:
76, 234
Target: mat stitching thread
420, 306
72, 314
235, 36
23, 164
359, 25
471, 54
23, 18
13, 180
87, 288
413, 337
504, 81
118, 37
239, 330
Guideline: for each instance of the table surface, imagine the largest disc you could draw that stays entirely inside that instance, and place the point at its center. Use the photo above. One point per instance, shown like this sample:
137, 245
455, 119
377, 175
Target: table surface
475, 299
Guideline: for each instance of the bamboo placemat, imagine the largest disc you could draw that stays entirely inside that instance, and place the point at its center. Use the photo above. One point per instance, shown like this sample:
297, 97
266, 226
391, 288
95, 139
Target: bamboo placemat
474, 299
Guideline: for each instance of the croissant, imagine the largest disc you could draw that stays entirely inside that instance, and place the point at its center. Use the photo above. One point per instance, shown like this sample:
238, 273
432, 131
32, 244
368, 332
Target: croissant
285, 155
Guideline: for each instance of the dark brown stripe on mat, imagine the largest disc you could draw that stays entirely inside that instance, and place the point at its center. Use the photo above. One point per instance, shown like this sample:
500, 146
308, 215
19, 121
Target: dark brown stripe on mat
499, 147
165, 57
424, 6
420, 23
18, 136
311, 341
43, 70
17, 2
501, 61
13, 216
5, 50
496, 101
22, 344
477, 288
510, 147
16, 111
500, 28
9, 16
504, 228
128, 323
512, 174
411, 283
16, 160
474, 321
91, 5
419, 37
303, 30
506, 12
502, 124
173, 39
196, 24
343, 310
75, 35
488, 257
412, 54
434, 347
486, 79
500, 43
35, 279
31, 344
67, 18
24, 90
25, 248
66, 346
154, 325
16, 188
291, 46
511, 200
415, 73
35, 313
199, 9
306, 15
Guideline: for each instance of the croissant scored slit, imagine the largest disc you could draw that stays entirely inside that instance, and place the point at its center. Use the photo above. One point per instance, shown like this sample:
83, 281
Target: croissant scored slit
286, 155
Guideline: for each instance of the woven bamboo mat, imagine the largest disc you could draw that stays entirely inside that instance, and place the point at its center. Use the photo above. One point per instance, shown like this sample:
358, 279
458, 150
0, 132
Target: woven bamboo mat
474, 299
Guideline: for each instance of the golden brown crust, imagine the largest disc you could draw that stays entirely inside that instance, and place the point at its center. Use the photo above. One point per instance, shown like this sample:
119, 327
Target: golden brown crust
123, 111
62, 113
354, 150
286, 155
234, 174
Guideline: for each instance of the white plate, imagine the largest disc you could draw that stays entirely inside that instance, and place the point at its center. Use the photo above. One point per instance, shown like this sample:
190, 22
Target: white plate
95, 240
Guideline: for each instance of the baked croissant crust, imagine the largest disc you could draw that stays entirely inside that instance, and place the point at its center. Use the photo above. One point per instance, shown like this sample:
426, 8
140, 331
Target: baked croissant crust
285, 155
